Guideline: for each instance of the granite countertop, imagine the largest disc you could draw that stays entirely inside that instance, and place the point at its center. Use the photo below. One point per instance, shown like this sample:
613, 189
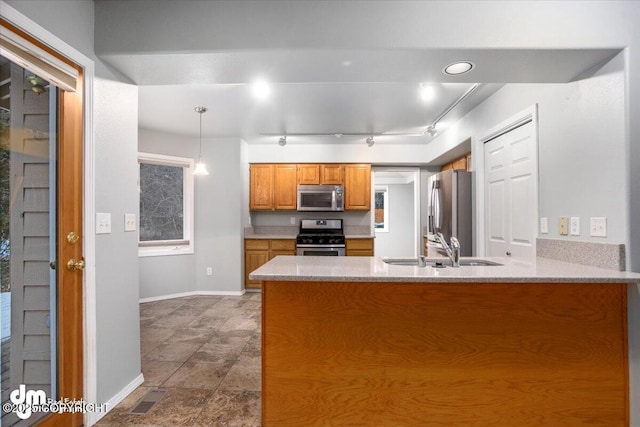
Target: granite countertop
373, 269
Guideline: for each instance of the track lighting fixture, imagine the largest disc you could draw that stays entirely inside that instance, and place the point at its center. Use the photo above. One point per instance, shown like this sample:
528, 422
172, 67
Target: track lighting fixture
282, 141
201, 167
370, 141
431, 130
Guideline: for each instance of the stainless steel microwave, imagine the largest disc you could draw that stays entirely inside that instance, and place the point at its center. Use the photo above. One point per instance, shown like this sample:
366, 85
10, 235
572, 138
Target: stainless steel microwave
319, 198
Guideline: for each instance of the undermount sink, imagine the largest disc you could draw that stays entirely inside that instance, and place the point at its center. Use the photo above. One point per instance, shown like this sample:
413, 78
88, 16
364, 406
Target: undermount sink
442, 262
478, 263
401, 261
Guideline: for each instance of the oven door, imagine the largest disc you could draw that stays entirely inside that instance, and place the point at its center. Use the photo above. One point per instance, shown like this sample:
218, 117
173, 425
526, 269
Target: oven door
320, 250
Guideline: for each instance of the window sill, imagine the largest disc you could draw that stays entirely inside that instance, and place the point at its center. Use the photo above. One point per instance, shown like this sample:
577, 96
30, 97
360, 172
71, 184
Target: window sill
149, 251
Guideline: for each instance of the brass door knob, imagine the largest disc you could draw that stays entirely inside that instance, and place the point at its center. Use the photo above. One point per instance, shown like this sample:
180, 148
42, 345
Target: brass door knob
75, 264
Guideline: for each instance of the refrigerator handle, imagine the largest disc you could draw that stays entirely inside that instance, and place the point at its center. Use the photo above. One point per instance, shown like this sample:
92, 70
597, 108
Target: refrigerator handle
436, 194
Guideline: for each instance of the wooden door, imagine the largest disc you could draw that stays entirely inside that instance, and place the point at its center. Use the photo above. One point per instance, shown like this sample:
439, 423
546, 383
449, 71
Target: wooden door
285, 187
357, 187
510, 183
45, 164
261, 187
309, 174
331, 174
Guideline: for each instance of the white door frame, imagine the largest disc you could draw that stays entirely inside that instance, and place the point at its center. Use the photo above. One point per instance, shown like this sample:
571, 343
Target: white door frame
416, 199
518, 119
90, 386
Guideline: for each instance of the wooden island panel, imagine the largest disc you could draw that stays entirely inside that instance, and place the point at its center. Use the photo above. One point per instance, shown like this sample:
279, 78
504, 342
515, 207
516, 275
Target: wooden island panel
421, 354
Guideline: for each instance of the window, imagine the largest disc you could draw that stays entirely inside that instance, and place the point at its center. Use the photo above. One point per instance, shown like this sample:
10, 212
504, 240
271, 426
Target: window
166, 205
381, 201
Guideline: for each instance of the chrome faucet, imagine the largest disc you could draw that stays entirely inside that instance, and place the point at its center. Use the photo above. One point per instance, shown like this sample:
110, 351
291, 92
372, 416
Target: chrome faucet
453, 252
422, 261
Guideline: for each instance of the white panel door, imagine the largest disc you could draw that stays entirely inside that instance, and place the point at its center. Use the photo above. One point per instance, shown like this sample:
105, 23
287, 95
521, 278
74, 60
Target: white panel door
510, 182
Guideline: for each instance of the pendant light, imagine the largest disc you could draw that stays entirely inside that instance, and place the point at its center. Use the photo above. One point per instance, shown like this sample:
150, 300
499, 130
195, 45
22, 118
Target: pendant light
201, 167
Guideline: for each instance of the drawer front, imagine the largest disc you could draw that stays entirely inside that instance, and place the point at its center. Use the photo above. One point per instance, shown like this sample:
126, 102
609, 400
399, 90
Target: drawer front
256, 244
283, 245
360, 244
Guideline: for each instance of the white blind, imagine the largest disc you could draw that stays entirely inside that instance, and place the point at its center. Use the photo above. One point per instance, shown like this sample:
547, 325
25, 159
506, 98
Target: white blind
37, 60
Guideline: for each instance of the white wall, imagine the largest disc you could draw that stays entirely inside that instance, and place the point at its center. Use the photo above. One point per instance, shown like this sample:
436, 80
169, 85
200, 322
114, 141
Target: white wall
219, 220
399, 242
582, 148
118, 333
315, 150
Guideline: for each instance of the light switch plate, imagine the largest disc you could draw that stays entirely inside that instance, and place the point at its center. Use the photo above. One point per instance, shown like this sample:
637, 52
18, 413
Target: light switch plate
574, 226
103, 223
563, 226
598, 227
544, 225
129, 222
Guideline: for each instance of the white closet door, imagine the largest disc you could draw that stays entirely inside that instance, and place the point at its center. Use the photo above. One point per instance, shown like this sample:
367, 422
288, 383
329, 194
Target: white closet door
510, 182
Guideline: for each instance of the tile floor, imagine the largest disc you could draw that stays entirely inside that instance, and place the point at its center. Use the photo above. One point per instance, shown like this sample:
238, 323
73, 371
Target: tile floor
205, 352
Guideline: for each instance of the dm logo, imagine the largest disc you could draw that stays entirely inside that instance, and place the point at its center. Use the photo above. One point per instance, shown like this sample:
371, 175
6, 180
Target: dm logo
25, 400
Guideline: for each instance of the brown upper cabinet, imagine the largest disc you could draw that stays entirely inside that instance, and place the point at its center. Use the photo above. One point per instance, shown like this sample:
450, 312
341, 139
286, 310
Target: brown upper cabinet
357, 187
309, 174
332, 174
284, 189
272, 186
261, 187
313, 173
463, 163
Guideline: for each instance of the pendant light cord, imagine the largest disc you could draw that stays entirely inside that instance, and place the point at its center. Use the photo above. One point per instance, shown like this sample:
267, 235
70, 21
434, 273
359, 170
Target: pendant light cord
200, 149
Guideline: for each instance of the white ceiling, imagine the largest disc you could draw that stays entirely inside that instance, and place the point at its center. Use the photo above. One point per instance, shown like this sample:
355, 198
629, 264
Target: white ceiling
335, 66
329, 92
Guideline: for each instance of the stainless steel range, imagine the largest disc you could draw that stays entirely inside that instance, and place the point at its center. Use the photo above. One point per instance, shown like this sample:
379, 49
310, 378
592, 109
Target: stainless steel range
321, 237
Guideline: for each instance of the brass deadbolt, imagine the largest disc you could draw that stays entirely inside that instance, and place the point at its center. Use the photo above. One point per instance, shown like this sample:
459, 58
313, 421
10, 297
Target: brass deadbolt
72, 237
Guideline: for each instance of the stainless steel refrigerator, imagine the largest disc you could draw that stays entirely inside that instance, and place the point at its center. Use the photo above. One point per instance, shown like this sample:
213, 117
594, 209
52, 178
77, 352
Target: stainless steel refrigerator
449, 208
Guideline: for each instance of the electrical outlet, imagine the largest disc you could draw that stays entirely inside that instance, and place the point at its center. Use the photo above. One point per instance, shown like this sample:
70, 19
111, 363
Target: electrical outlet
293, 220
129, 222
209, 271
544, 225
563, 226
598, 227
574, 226
103, 223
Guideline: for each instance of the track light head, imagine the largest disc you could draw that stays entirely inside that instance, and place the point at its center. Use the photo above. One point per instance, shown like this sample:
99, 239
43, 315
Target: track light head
370, 141
282, 141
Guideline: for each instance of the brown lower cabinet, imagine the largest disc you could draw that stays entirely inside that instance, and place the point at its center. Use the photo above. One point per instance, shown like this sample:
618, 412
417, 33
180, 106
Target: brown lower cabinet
258, 251
445, 354
359, 247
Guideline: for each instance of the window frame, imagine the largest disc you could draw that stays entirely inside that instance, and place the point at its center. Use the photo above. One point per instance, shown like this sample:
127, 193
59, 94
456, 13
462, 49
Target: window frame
185, 245
384, 189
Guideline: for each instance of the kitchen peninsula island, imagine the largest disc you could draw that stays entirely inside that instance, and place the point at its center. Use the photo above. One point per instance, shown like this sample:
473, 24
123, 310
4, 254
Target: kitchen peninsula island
356, 341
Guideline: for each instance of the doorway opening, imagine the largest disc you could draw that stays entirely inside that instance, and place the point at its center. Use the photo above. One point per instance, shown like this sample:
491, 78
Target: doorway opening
396, 219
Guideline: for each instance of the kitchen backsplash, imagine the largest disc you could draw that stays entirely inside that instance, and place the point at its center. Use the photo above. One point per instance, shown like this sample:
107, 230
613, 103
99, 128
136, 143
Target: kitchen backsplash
283, 219
596, 254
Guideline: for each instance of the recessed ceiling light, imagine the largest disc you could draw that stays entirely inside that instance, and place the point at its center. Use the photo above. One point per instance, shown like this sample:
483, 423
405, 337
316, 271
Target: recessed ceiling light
460, 67
261, 89
427, 92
